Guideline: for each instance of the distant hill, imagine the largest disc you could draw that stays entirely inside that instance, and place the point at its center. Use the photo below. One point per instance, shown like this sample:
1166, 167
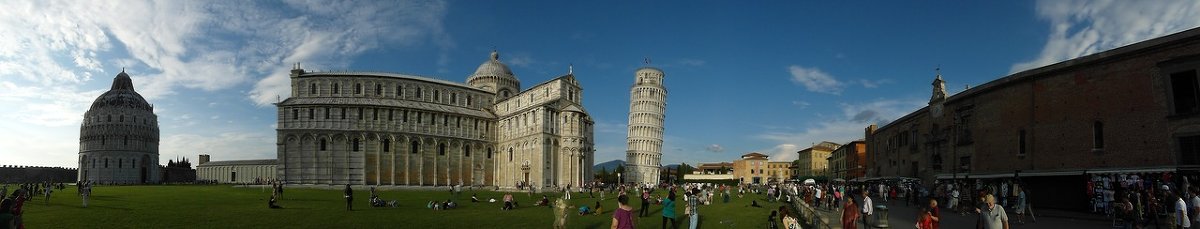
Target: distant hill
608, 166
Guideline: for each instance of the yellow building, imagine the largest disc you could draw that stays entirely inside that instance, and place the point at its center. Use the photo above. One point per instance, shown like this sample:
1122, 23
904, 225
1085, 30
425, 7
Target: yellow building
814, 161
751, 169
777, 171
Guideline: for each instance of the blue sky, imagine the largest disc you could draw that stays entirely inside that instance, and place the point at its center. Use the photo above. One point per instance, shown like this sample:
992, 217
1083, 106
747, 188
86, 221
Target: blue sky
771, 77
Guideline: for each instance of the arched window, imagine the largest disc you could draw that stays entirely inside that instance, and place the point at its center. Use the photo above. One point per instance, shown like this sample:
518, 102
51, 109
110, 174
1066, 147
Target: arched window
503, 93
122, 118
387, 145
400, 91
378, 89
326, 113
437, 96
322, 144
125, 141
357, 88
109, 118
468, 100
312, 89
510, 155
295, 113
103, 140
355, 146
311, 114
453, 98
466, 151
442, 149
106, 163
418, 93
1097, 135
336, 90
489, 153
416, 147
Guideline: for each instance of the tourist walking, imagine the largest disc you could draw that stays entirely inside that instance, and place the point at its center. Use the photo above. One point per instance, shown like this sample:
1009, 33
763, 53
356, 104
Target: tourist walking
349, 194
1021, 206
47, 192
668, 211
867, 209
1181, 211
645, 203
86, 191
935, 214
7, 219
993, 216
560, 212
18, 207
924, 219
849, 214
623, 215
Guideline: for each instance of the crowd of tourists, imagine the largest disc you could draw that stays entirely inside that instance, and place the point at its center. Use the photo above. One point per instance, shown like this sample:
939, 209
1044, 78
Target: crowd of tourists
12, 204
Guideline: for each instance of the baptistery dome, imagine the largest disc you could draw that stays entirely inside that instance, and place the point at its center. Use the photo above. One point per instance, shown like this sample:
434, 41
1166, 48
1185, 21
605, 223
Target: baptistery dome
118, 137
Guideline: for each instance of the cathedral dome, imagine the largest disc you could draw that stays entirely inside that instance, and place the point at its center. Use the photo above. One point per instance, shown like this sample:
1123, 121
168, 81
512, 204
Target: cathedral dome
495, 77
121, 95
493, 67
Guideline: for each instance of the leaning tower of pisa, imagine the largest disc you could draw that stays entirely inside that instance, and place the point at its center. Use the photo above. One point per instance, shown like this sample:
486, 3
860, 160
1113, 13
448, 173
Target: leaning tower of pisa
647, 108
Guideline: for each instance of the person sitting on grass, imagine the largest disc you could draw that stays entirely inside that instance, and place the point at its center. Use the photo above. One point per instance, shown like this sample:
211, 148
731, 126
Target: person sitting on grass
754, 203
771, 224
599, 209
584, 210
449, 205
544, 202
508, 202
474, 199
271, 203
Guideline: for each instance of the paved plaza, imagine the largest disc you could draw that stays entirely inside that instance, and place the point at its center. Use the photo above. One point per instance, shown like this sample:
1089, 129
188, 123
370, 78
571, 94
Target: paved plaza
901, 216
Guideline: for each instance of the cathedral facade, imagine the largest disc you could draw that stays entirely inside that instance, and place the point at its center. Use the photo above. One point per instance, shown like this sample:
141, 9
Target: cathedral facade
118, 137
373, 128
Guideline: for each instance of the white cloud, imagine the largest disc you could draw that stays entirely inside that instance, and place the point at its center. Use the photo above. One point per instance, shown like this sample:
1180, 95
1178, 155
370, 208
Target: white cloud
1079, 28
815, 80
519, 59
715, 148
866, 83
204, 45
225, 146
611, 127
691, 62
170, 45
845, 127
801, 104
782, 152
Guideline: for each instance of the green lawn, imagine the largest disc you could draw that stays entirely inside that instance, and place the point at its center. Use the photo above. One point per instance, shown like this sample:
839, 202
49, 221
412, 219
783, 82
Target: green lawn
223, 206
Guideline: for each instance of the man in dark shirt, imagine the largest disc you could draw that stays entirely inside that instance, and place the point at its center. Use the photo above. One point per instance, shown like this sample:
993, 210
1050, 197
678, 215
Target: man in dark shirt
349, 193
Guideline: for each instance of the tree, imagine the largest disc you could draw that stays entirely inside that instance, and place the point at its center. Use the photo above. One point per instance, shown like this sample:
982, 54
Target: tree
603, 175
620, 172
684, 169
